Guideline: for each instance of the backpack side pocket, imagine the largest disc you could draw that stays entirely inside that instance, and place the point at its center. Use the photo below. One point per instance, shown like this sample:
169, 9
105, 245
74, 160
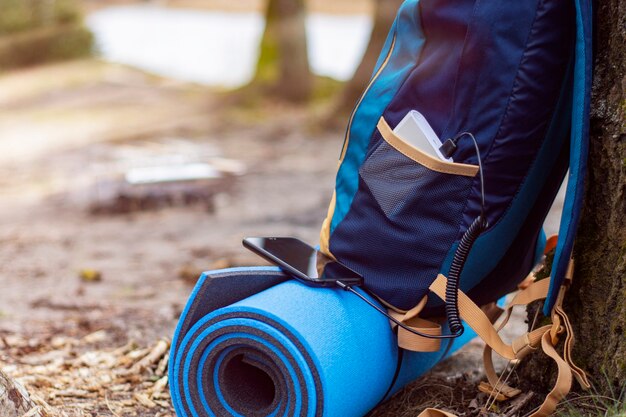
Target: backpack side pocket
404, 218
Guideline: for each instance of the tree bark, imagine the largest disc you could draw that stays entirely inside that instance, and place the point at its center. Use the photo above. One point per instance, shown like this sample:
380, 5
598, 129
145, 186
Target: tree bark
596, 302
384, 16
283, 65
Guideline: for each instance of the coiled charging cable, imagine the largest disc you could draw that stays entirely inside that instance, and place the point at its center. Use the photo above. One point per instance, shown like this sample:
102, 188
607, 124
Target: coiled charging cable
479, 225
458, 261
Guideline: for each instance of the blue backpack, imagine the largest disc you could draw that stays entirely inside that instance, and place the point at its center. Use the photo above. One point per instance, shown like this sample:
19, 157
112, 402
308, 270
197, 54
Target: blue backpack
516, 75
505, 86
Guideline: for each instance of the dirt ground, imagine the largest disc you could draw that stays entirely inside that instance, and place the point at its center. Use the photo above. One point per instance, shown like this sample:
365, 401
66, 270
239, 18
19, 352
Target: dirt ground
70, 131
63, 142
89, 298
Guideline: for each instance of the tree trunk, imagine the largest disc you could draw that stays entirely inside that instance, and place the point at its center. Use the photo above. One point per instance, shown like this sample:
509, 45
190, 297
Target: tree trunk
283, 64
596, 303
597, 300
385, 14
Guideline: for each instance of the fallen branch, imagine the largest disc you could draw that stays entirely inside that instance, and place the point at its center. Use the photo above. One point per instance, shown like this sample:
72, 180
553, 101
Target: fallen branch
16, 402
519, 403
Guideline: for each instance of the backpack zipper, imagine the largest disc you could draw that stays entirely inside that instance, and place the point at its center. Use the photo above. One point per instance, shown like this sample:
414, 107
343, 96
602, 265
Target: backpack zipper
369, 85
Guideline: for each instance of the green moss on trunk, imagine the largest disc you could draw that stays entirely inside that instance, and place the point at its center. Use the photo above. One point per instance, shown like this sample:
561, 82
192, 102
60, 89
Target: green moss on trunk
44, 45
38, 31
22, 15
283, 67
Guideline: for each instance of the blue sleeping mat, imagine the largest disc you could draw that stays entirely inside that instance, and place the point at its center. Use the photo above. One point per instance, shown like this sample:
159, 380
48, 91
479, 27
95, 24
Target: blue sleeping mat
252, 342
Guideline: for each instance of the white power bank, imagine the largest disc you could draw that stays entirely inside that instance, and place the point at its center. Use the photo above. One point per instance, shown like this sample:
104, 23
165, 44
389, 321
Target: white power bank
415, 130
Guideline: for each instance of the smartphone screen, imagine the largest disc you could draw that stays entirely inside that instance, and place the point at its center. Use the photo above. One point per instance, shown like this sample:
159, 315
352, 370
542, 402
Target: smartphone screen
300, 259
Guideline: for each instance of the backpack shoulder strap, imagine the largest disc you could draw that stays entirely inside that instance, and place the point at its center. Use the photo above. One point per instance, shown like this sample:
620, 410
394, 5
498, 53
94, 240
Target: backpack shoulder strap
578, 150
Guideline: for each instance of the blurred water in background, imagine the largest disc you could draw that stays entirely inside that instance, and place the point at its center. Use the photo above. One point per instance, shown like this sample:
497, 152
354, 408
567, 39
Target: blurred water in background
219, 48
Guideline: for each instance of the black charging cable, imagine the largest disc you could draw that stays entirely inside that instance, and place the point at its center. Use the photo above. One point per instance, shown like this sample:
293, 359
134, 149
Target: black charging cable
468, 239
393, 319
448, 149
458, 261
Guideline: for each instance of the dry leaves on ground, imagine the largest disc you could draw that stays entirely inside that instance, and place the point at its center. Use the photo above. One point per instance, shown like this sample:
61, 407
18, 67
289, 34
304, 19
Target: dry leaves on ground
70, 377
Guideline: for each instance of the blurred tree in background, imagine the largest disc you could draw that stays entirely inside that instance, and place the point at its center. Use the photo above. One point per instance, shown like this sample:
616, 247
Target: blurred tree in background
21, 15
283, 65
37, 31
384, 16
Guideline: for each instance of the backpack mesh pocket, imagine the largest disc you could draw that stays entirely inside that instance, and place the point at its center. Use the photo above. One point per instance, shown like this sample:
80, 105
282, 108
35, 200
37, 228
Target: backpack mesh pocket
403, 220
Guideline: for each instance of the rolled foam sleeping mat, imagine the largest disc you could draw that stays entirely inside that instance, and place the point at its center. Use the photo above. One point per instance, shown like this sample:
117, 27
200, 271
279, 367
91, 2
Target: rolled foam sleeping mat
252, 342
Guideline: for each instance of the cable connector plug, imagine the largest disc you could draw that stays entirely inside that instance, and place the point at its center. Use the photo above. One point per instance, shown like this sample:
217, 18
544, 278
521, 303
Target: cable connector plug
448, 148
343, 285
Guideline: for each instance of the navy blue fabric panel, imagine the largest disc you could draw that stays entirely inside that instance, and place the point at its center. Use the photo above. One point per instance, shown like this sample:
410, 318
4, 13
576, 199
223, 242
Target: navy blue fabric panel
510, 149
495, 69
401, 224
430, 87
546, 171
520, 257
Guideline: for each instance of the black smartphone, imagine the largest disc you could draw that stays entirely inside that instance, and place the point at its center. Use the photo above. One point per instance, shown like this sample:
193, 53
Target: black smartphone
302, 261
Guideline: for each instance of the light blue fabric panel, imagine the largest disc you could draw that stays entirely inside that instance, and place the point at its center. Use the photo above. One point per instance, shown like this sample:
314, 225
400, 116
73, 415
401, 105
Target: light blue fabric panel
409, 42
578, 150
541, 246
